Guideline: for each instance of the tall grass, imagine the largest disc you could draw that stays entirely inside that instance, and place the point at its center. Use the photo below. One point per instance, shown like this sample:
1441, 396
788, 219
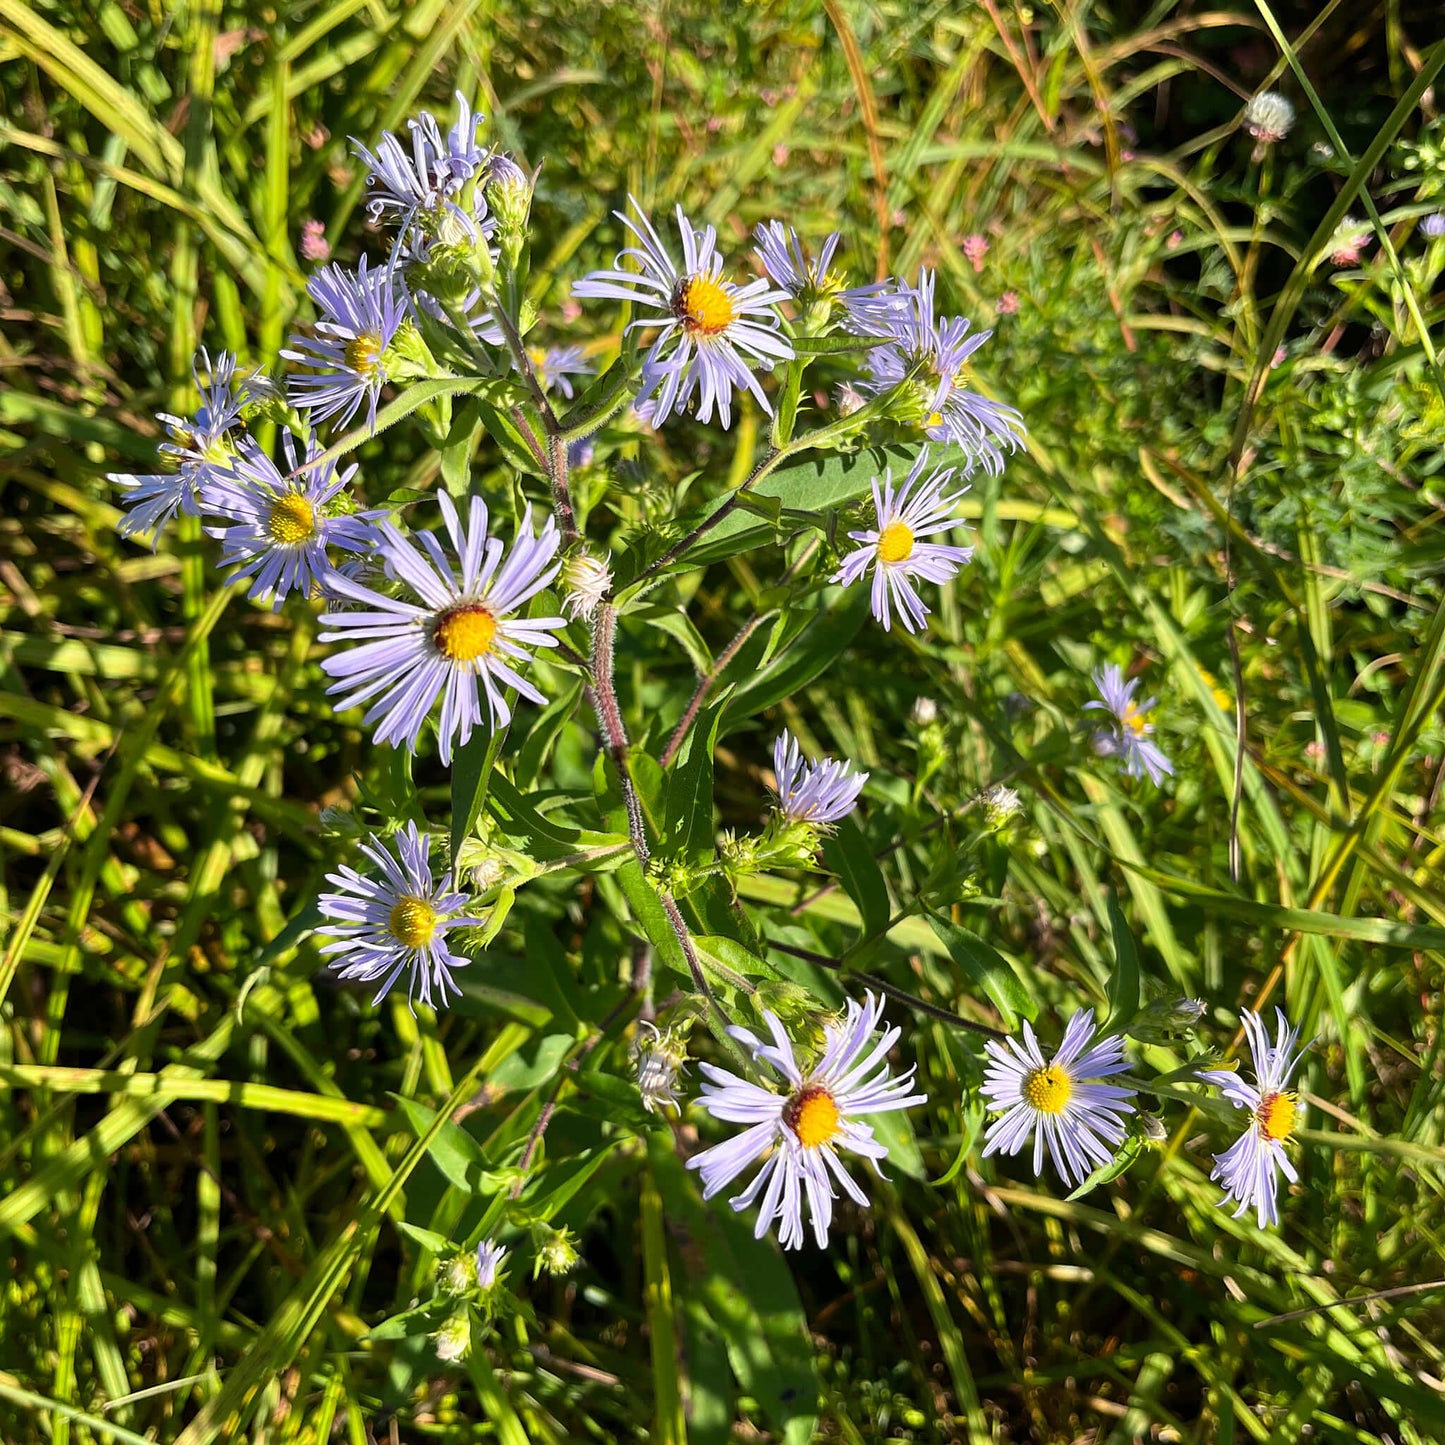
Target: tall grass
1233, 480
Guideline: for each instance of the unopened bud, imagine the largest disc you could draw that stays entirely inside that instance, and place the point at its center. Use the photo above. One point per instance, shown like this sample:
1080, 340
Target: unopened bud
923, 712
556, 1250
458, 1274
454, 1339
488, 1261
1001, 806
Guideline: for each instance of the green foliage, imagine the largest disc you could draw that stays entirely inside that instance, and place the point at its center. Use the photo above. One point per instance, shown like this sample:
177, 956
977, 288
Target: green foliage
225, 1183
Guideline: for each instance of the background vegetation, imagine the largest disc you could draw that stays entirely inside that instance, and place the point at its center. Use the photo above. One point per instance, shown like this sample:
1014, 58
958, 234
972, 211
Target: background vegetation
1233, 481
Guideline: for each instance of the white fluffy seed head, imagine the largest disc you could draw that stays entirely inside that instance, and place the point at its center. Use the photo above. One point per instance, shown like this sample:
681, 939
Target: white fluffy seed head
1268, 117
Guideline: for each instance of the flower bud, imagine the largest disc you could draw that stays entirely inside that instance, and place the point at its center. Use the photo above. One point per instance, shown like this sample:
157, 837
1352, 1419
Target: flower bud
923, 712
488, 1261
458, 1274
1000, 807
454, 1339
556, 1250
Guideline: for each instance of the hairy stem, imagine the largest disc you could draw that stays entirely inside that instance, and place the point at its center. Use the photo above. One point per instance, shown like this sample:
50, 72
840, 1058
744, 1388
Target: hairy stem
561, 496
705, 686
609, 715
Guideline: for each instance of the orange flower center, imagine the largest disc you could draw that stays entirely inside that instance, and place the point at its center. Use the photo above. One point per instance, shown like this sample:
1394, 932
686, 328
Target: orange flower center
813, 1116
1276, 1116
704, 306
1048, 1089
895, 543
412, 922
464, 633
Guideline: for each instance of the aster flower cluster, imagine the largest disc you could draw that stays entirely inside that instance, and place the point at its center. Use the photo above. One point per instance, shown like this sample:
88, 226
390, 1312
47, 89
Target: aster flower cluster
435, 619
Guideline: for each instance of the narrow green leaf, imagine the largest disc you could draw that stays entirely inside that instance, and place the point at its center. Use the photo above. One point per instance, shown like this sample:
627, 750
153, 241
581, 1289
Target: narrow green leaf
688, 822
847, 853
988, 968
1124, 982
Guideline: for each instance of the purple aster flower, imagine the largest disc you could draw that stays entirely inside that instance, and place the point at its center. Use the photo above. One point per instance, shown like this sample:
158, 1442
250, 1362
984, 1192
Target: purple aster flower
798, 1133
1247, 1167
459, 641
361, 313
279, 530
985, 429
490, 1255
435, 170
395, 920
787, 263
557, 365
711, 333
1059, 1101
1129, 737
892, 549
199, 449
821, 792
1433, 226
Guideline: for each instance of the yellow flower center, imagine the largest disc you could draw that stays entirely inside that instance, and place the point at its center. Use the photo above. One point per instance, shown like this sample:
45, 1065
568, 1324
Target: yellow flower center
895, 543
1276, 1116
412, 922
703, 306
813, 1116
1133, 719
363, 354
292, 520
1048, 1089
464, 633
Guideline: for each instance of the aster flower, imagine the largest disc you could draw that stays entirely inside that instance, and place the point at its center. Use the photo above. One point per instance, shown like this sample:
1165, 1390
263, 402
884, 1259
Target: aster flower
711, 332
1433, 226
393, 920
490, 1255
198, 451
807, 280
892, 549
557, 365
1247, 1168
936, 354
435, 170
1059, 1101
1129, 737
819, 793
461, 641
798, 1133
362, 312
1268, 117
279, 530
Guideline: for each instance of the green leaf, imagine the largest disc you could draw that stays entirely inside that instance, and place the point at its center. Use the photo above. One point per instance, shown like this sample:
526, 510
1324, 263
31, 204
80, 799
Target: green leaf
1124, 982
820, 644
516, 1073
471, 771
747, 1291
688, 824
1129, 1151
847, 853
455, 1153
729, 962
986, 967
